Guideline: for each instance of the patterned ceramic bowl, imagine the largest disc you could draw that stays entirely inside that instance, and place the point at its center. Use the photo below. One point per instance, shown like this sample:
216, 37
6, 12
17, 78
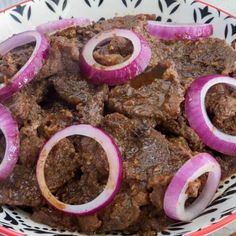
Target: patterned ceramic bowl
31, 13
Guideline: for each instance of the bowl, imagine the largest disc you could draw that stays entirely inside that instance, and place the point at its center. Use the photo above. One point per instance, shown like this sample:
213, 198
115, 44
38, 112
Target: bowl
29, 14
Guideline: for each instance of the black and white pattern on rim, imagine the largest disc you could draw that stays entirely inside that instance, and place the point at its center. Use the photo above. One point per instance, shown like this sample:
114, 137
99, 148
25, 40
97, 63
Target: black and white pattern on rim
167, 8
167, 11
57, 6
20, 13
134, 3
90, 3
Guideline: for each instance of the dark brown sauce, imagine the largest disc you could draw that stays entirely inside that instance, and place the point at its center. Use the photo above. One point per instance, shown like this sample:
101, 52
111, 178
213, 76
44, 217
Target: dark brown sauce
148, 77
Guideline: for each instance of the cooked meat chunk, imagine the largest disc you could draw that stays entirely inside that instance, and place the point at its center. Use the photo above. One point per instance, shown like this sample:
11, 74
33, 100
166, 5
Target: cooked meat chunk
21, 188
30, 144
114, 52
193, 188
63, 56
88, 99
37, 89
64, 161
180, 128
195, 58
155, 94
50, 216
55, 120
221, 106
122, 213
24, 108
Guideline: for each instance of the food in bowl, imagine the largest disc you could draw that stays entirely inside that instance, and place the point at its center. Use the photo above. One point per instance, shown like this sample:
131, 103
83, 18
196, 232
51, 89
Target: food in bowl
158, 110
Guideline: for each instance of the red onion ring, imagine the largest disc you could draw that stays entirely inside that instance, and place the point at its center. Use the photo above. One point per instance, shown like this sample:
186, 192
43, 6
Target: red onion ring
31, 67
120, 73
172, 31
55, 26
10, 131
175, 195
115, 166
198, 119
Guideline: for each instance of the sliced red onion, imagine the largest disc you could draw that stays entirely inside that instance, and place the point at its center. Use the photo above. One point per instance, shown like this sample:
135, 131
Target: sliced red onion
55, 26
120, 73
10, 131
175, 195
31, 67
115, 170
198, 119
170, 31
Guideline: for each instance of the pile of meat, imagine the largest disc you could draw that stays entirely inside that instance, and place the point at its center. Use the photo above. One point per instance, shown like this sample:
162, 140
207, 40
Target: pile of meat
145, 117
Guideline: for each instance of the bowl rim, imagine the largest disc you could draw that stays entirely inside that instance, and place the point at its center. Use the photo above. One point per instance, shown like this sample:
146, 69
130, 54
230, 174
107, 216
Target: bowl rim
15, 5
204, 231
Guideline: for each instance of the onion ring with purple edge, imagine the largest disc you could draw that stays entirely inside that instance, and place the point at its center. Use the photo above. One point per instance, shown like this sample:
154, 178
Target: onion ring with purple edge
10, 130
175, 195
115, 170
197, 116
31, 67
119, 73
168, 31
53, 27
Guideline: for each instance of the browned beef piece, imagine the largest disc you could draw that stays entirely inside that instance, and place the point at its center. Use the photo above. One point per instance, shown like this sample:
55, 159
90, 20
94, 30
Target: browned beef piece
179, 127
30, 144
227, 163
59, 220
221, 106
195, 58
28, 115
20, 188
24, 108
207, 56
50, 216
55, 119
63, 56
64, 161
88, 99
37, 89
80, 189
154, 94
114, 52
181, 143
193, 188
134, 22
122, 213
